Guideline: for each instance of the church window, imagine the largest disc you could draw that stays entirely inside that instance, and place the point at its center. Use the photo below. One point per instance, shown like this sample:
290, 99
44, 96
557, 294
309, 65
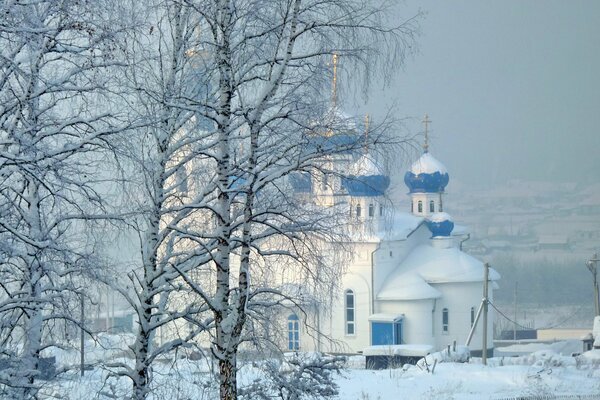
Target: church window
371, 210
412, 207
420, 206
431, 206
358, 211
293, 333
441, 208
350, 312
380, 210
472, 316
445, 320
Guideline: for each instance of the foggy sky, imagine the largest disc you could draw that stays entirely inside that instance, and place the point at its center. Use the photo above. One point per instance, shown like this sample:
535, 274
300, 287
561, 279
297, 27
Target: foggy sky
512, 87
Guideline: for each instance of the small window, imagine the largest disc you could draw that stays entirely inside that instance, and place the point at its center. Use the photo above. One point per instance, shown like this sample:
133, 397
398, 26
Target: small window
441, 208
350, 312
420, 206
371, 210
293, 333
391, 254
324, 183
431, 206
445, 320
412, 207
380, 211
472, 316
358, 211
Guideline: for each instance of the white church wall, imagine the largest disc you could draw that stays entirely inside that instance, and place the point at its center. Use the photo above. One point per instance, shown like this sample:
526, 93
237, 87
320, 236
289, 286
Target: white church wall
458, 298
416, 325
399, 249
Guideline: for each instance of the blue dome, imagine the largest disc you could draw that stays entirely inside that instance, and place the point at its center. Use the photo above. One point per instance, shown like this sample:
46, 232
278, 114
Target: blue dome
301, 182
371, 185
366, 178
427, 175
440, 224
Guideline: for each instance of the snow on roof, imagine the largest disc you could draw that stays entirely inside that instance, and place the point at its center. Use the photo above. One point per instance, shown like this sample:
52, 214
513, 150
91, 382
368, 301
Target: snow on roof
440, 265
399, 226
427, 264
365, 166
408, 286
406, 350
440, 217
386, 317
427, 164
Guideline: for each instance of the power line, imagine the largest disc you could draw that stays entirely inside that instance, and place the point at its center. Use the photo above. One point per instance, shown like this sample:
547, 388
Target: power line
548, 327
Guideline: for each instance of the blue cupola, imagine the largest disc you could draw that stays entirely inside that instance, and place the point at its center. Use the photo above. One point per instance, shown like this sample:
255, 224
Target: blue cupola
440, 224
427, 175
366, 179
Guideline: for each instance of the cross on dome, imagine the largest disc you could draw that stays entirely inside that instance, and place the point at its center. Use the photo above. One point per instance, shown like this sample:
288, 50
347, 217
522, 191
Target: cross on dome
426, 121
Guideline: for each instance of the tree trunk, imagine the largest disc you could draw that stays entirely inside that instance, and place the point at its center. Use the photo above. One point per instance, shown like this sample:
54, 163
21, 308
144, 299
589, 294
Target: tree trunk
228, 377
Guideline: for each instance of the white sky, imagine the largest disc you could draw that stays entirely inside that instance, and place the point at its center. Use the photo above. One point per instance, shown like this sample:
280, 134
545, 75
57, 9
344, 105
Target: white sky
512, 87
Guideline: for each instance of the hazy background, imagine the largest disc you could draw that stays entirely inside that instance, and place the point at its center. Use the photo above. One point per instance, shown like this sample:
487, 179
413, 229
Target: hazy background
512, 87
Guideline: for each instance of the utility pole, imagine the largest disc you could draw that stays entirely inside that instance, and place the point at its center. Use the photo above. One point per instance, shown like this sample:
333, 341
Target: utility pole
592, 265
485, 313
515, 319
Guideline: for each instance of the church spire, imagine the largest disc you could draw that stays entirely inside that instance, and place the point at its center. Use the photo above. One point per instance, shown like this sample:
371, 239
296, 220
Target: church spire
367, 121
426, 121
334, 82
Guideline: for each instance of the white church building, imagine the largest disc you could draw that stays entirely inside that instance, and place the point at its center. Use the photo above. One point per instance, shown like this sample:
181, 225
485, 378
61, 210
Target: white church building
409, 283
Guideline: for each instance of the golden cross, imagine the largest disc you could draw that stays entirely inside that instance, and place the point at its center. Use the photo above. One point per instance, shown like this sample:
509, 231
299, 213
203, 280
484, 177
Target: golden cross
367, 120
426, 121
334, 83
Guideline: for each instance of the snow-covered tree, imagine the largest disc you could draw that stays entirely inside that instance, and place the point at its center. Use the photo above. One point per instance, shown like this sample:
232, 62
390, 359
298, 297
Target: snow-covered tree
266, 69
54, 117
233, 100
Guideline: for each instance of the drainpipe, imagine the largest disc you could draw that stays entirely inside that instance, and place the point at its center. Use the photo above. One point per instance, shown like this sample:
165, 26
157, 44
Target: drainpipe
433, 318
372, 311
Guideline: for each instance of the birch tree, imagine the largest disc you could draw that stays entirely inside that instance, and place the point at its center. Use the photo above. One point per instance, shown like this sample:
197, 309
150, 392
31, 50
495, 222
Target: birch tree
267, 65
54, 57
236, 99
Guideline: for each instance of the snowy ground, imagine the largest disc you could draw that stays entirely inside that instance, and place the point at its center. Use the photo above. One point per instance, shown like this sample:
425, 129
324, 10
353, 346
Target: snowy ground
543, 373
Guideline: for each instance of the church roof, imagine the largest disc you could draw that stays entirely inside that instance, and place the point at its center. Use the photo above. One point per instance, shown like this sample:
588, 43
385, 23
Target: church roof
427, 265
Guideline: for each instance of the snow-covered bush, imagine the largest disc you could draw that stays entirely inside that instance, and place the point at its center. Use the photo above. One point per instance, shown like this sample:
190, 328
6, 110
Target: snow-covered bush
459, 354
299, 376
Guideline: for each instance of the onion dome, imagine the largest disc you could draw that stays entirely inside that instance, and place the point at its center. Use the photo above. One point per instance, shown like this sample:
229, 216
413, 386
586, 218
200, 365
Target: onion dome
301, 182
365, 179
427, 175
440, 224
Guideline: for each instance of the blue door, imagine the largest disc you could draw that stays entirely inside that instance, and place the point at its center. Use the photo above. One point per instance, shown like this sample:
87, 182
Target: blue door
386, 333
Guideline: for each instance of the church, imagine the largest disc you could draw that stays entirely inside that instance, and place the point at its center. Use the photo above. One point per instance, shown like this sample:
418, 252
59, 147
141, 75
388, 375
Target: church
409, 285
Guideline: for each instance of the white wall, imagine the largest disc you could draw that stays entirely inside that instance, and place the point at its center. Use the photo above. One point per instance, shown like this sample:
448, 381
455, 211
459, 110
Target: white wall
459, 298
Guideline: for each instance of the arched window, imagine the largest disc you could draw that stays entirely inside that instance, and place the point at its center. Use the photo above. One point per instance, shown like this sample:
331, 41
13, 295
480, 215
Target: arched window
431, 206
358, 211
293, 333
420, 206
445, 320
412, 207
350, 311
371, 210
472, 316
380, 210
441, 208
